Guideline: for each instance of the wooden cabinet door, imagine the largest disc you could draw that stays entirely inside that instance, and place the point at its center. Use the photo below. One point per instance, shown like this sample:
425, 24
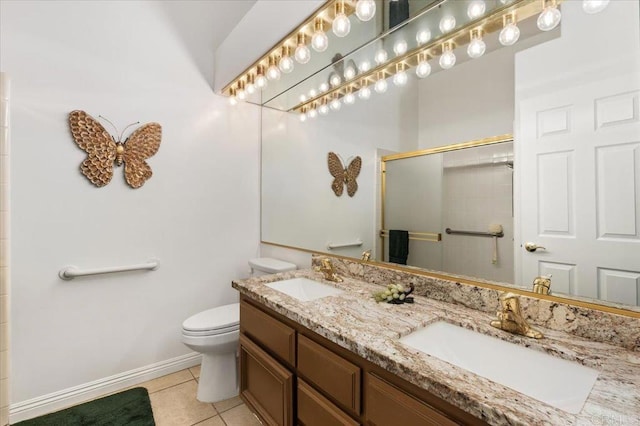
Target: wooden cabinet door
265, 385
316, 410
386, 405
335, 376
277, 337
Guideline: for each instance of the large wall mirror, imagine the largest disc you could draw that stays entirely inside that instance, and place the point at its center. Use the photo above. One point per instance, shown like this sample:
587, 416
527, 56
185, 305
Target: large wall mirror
567, 181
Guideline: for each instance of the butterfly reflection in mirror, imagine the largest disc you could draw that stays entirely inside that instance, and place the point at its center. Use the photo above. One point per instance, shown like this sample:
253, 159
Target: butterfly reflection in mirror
344, 175
103, 150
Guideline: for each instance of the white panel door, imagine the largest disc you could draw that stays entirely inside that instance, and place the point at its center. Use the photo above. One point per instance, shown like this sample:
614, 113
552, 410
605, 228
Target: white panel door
580, 188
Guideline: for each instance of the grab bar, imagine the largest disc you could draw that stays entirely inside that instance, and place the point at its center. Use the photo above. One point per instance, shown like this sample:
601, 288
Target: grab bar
70, 272
356, 243
476, 233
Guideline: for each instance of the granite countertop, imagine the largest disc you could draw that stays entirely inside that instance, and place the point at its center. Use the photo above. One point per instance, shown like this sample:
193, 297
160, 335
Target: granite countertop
372, 330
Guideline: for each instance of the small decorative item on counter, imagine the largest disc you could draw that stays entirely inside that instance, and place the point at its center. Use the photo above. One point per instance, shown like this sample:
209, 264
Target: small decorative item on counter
396, 294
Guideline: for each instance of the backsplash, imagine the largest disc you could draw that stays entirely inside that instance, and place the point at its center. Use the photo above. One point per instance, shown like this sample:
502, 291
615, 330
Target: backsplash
591, 324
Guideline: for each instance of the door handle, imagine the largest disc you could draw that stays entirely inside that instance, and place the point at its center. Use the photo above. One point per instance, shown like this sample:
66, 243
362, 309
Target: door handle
531, 247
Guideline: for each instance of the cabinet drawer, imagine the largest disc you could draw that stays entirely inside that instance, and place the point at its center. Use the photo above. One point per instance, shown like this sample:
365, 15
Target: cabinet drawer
265, 384
316, 410
269, 332
385, 404
331, 373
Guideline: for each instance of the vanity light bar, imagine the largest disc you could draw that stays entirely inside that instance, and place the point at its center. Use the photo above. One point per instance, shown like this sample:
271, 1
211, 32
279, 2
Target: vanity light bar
492, 22
326, 13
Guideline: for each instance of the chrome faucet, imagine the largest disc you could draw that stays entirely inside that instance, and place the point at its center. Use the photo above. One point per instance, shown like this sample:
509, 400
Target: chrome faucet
366, 255
510, 317
328, 270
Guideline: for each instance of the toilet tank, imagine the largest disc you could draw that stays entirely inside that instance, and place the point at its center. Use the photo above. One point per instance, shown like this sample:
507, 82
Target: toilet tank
268, 265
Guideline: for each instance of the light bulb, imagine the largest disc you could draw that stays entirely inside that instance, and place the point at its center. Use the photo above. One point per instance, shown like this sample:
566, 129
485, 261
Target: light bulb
365, 9
365, 66
594, 6
509, 34
303, 117
349, 99
323, 110
302, 53
286, 64
261, 80
313, 93
273, 72
335, 104
324, 87
233, 101
448, 58
476, 9
312, 113
349, 72
241, 94
381, 85
476, 48
381, 56
400, 78
341, 24
549, 18
400, 47
364, 93
251, 88
335, 80
447, 23
319, 40
303, 98
423, 69
423, 36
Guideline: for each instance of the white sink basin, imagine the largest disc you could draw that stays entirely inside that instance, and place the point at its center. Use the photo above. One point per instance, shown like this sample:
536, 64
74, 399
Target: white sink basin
304, 289
554, 381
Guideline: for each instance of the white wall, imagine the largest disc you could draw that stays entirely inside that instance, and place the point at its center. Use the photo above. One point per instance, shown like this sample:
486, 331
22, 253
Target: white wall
198, 214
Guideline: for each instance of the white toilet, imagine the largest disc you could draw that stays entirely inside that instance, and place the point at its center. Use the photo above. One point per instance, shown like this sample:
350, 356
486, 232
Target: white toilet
215, 334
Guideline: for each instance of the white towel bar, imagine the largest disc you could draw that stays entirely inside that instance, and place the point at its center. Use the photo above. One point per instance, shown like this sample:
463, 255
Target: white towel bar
70, 272
357, 243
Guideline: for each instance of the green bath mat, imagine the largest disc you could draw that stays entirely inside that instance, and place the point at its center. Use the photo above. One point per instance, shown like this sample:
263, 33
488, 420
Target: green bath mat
129, 408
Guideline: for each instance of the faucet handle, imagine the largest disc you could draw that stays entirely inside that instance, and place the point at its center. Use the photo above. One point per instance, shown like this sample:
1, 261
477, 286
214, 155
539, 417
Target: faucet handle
542, 284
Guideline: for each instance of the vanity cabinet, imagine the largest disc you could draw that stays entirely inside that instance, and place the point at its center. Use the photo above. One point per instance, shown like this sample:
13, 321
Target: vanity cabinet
265, 384
291, 375
388, 405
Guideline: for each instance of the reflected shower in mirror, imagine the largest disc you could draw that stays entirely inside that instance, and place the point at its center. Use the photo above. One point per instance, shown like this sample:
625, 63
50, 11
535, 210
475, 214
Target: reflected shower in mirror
458, 208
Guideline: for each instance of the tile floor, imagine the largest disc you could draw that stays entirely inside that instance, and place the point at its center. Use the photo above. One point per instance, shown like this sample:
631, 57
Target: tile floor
174, 403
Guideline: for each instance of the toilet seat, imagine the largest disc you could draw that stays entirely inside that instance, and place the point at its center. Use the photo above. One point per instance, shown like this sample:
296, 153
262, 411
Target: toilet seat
220, 320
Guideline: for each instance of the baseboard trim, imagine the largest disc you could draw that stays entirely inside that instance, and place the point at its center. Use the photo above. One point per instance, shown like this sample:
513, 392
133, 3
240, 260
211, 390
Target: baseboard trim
71, 396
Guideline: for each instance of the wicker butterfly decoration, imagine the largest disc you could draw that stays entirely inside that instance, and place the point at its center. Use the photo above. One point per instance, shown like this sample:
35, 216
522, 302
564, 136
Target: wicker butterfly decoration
344, 175
103, 150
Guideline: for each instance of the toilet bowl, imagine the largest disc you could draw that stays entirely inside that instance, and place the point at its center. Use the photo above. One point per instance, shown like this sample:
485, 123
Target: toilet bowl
215, 334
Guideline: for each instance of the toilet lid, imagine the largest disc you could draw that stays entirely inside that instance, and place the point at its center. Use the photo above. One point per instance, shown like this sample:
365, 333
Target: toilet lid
273, 266
222, 317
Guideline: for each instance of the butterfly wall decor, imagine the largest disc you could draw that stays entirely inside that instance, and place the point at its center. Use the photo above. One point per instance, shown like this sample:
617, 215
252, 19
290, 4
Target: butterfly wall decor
103, 150
344, 175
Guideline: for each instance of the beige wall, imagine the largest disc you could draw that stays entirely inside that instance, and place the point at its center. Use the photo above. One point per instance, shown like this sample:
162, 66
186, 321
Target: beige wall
4, 249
